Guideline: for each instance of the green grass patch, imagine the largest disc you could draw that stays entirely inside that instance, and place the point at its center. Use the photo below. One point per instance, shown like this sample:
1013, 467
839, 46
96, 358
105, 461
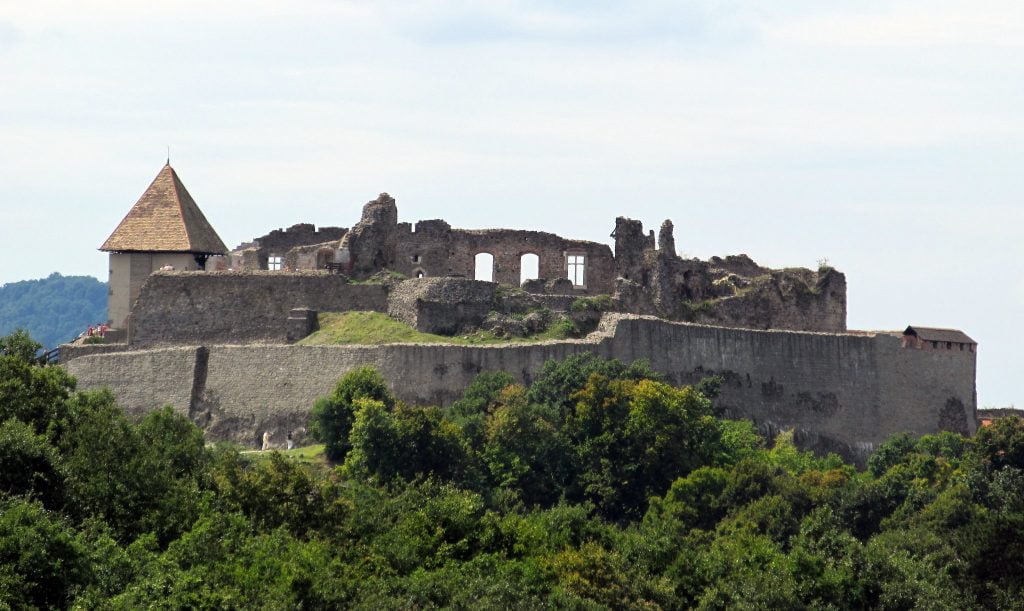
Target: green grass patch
313, 455
597, 303
692, 310
377, 328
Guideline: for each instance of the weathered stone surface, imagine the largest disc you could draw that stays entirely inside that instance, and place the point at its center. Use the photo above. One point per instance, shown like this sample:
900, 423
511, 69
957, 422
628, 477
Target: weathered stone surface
559, 286
238, 307
442, 305
839, 391
301, 322
253, 256
666, 241
371, 244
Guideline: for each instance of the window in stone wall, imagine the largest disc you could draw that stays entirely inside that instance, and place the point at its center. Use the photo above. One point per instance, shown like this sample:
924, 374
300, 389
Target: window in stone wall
577, 265
415, 258
275, 263
529, 267
484, 267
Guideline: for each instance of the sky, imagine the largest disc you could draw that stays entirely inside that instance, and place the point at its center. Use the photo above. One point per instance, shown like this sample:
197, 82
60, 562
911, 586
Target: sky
885, 137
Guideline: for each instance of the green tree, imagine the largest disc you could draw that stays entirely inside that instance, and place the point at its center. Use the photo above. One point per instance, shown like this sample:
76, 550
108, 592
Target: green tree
631, 439
32, 394
523, 451
124, 474
43, 563
558, 381
20, 344
406, 443
30, 465
1002, 443
332, 416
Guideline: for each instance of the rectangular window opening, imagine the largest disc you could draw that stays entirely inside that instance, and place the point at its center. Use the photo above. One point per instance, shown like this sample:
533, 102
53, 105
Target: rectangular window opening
577, 269
275, 263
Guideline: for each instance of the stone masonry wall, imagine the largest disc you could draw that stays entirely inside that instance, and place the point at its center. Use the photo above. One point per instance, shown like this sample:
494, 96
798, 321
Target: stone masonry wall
437, 250
143, 380
279, 241
238, 307
841, 392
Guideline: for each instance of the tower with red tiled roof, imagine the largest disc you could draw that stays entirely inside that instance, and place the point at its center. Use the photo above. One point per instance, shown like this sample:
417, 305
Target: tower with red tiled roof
164, 229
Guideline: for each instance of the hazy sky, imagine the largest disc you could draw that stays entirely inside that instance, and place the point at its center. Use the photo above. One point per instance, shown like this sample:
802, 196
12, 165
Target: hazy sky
887, 137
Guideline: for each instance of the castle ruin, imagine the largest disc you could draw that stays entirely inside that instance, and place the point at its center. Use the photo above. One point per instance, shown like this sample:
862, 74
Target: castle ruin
214, 336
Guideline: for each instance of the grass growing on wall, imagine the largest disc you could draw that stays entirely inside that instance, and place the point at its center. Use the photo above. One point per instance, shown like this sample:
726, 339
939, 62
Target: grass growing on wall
377, 328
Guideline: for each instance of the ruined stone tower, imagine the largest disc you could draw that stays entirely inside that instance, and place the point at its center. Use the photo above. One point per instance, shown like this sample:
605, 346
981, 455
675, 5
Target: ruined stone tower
165, 228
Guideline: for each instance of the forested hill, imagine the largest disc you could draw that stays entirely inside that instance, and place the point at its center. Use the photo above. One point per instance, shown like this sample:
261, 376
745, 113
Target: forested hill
54, 309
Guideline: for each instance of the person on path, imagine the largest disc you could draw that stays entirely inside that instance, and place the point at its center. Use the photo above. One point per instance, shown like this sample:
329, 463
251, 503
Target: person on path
291, 442
266, 440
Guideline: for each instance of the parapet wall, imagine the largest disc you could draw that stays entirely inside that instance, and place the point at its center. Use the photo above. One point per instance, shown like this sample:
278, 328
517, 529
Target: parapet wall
841, 392
238, 307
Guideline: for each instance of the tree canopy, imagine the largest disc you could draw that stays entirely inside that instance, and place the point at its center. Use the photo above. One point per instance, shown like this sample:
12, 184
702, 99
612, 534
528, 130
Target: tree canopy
596, 486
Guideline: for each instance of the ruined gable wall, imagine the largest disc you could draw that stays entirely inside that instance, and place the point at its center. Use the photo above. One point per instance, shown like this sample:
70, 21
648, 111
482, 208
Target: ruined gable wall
238, 307
279, 241
437, 250
838, 391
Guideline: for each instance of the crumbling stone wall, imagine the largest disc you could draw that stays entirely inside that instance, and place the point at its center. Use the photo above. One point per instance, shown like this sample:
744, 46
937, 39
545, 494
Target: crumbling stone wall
839, 391
646, 275
433, 249
238, 307
424, 251
252, 256
442, 305
733, 291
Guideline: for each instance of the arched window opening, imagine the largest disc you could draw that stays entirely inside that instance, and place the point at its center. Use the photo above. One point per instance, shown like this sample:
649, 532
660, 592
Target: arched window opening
484, 267
529, 267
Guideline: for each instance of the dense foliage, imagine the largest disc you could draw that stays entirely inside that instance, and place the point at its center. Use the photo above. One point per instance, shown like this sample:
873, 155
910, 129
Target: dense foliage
55, 309
598, 486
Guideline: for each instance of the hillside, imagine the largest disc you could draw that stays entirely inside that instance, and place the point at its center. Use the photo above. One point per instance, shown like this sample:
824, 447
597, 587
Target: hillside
53, 309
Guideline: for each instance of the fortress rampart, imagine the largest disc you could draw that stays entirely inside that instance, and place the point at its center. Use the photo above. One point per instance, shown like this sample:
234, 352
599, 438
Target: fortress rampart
177, 308
843, 392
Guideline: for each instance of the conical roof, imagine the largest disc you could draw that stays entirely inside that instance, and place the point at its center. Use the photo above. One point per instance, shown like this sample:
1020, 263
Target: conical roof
165, 219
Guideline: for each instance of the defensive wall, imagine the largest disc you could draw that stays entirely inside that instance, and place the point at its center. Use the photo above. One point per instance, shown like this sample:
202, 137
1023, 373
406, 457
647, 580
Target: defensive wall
176, 308
844, 392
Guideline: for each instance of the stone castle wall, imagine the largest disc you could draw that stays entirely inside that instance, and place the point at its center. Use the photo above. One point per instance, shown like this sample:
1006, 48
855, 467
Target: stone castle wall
176, 308
841, 392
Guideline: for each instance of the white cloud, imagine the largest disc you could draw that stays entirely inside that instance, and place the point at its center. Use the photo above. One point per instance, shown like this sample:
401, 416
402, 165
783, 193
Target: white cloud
994, 22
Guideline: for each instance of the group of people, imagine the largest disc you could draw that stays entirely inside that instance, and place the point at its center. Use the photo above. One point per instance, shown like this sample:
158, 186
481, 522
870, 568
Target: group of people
98, 330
